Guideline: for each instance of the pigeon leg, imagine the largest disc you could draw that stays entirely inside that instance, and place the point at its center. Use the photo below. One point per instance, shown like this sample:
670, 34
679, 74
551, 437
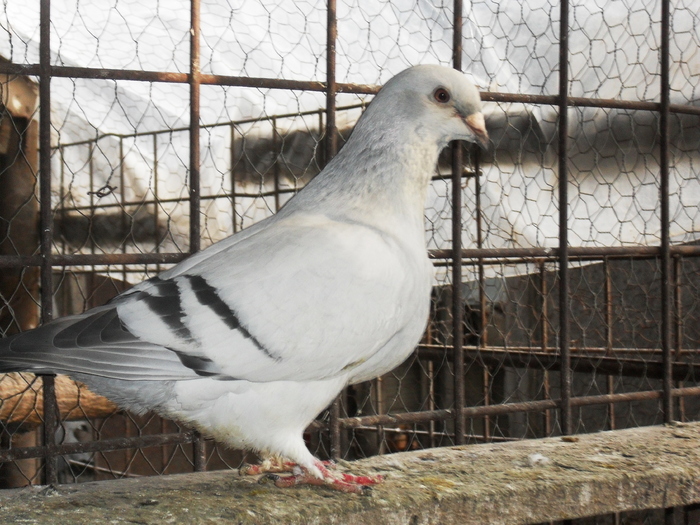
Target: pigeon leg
340, 481
276, 465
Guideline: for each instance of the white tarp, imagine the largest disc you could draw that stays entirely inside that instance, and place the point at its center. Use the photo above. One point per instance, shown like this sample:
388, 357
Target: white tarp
508, 47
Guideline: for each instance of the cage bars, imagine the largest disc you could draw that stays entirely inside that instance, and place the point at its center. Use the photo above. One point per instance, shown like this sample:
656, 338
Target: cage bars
457, 257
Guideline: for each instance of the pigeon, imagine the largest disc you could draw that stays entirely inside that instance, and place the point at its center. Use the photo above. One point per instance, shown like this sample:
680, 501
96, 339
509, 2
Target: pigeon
251, 338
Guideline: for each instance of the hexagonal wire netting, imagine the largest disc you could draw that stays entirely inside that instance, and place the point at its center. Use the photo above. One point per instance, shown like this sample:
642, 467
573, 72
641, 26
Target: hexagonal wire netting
566, 319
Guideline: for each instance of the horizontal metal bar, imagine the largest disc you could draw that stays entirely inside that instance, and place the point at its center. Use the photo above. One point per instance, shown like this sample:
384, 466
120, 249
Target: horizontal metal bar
82, 259
176, 200
574, 252
582, 351
105, 445
579, 363
509, 408
181, 78
608, 103
301, 85
228, 123
472, 255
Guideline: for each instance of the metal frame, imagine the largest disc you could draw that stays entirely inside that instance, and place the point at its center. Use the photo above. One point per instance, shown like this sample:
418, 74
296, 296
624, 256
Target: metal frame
562, 358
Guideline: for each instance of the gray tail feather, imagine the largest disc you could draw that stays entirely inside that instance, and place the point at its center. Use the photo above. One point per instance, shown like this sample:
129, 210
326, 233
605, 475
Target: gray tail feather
96, 343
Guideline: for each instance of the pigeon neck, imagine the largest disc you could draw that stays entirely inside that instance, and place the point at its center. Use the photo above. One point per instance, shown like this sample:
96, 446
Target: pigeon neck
380, 178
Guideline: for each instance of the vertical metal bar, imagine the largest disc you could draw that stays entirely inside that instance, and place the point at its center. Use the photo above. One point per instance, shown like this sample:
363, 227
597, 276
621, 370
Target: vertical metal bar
50, 407
544, 345
195, 76
46, 217
276, 165
431, 401
381, 435
678, 323
233, 177
609, 338
565, 374
156, 194
330, 151
331, 38
457, 307
122, 203
666, 322
320, 153
91, 195
483, 318
198, 446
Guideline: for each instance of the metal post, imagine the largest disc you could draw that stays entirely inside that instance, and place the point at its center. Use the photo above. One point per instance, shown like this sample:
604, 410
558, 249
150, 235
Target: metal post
194, 81
666, 296
198, 445
234, 223
50, 407
276, 166
483, 318
331, 38
544, 345
609, 338
565, 373
330, 151
457, 306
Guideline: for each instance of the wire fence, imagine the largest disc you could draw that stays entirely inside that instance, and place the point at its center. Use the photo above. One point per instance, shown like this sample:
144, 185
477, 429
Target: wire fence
169, 128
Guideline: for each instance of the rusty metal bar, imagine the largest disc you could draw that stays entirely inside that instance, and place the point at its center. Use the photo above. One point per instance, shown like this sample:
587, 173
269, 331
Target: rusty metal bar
102, 445
331, 39
90, 259
544, 344
194, 128
170, 131
678, 324
146, 202
609, 337
469, 256
156, 192
331, 147
301, 85
232, 162
50, 407
520, 357
457, 306
598, 252
510, 408
483, 319
565, 372
199, 458
276, 165
666, 295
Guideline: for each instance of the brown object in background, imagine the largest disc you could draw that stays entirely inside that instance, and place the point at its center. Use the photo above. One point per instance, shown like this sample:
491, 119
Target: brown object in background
21, 400
19, 235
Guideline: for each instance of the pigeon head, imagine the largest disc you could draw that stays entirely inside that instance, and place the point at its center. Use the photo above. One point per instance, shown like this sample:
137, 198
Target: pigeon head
442, 102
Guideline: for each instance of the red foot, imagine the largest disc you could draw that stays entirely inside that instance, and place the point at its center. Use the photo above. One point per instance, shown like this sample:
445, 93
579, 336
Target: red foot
275, 466
339, 481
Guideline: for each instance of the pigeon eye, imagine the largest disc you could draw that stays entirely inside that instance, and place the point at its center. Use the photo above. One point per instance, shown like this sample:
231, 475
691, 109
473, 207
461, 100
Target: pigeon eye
441, 95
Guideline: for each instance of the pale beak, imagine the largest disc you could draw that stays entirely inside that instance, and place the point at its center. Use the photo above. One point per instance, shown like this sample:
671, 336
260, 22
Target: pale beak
475, 122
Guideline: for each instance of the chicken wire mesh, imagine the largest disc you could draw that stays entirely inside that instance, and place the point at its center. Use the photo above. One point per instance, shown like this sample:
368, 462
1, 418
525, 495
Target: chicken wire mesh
160, 147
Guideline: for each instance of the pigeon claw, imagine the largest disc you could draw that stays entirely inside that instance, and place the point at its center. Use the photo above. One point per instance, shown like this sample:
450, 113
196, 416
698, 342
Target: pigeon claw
269, 477
340, 481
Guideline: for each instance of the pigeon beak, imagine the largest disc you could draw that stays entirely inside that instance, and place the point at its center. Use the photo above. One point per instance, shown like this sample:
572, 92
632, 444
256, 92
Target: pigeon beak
475, 122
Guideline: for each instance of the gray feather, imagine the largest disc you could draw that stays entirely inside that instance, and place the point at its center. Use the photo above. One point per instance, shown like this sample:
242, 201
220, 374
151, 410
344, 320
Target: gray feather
97, 343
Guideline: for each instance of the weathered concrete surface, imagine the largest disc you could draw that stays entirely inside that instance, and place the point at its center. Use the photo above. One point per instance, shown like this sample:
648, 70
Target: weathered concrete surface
509, 483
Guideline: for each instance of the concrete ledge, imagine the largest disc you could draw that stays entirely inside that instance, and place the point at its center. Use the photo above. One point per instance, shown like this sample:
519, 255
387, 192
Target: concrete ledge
509, 483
